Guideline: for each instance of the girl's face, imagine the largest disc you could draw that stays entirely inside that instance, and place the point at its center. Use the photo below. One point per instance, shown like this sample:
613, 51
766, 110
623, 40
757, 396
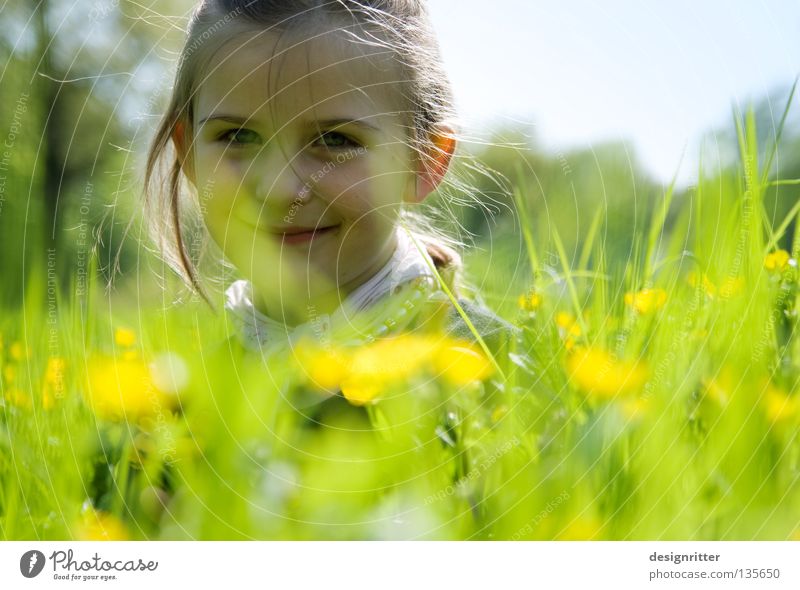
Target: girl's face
301, 163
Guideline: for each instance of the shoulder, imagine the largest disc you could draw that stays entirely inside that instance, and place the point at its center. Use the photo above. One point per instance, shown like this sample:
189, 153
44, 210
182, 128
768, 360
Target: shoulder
494, 330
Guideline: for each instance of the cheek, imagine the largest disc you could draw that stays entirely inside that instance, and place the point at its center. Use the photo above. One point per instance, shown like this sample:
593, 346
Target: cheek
217, 175
217, 194
216, 214
364, 189
225, 225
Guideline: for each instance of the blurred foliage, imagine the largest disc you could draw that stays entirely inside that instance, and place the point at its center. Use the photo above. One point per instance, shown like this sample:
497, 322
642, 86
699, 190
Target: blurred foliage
83, 82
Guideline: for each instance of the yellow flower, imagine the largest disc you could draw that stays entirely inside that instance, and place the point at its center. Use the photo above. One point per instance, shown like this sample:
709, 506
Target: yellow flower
96, 525
704, 282
721, 386
361, 389
567, 322
53, 387
18, 351
530, 301
731, 286
398, 356
363, 373
777, 261
462, 363
54, 372
18, 397
387, 360
120, 389
125, 337
324, 367
581, 529
48, 401
568, 329
778, 405
130, 354
728, 288
10, 373
602, 375
646, 301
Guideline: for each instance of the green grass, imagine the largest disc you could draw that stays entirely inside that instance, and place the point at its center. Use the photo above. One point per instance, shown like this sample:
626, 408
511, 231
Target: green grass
703, 446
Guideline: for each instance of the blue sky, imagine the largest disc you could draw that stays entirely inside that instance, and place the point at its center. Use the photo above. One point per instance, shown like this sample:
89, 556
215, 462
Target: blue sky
658, 74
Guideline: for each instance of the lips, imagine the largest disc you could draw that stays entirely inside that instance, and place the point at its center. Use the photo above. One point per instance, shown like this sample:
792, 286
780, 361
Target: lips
301, 235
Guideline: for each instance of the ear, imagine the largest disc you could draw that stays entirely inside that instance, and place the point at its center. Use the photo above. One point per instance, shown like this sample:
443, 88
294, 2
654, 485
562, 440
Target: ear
433, 166
181, 140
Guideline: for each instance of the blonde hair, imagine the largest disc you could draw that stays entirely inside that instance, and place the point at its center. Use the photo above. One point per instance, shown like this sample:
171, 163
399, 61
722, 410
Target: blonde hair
403, 26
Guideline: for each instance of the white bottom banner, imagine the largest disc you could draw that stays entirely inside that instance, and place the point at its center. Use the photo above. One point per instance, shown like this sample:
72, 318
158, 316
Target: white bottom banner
387, 565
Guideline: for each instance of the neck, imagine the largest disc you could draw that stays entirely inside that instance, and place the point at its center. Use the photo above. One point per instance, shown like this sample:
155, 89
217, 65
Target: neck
298, 306
292, 310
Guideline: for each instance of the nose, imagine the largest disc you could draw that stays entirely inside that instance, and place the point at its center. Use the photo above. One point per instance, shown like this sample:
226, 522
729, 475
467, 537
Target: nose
280, 184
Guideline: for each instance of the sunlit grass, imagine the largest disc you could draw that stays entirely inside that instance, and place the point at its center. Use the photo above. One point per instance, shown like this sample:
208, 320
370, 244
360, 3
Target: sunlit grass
656, 401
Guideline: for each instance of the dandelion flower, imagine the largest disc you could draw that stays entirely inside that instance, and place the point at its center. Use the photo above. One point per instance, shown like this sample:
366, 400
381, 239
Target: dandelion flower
530, 301
703, 282
361, 389
778, 405
96, 525
48, 401
567, 323
120, 389
462, 363
18, 397
720, 387
385, 361
777, 261
581, 529
646, 301
568, 328
53, 386
602, 375
325, 367
54, 372
124, 337
366, 372
731, 286
18, 352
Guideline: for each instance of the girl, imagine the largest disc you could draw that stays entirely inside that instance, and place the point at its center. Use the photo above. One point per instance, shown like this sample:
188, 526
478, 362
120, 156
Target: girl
309, 131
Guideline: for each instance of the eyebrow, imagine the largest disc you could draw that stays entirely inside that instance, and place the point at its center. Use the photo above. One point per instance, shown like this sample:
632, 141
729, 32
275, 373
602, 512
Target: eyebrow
322, 123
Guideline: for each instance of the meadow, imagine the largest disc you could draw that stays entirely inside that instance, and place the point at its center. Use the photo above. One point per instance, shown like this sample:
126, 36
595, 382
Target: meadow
649, 396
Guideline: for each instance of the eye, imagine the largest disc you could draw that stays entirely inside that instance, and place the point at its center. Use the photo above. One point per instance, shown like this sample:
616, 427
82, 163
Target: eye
334, 139
237, 137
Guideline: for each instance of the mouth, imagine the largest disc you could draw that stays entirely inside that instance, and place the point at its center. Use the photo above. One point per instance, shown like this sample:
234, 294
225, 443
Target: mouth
300, 235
